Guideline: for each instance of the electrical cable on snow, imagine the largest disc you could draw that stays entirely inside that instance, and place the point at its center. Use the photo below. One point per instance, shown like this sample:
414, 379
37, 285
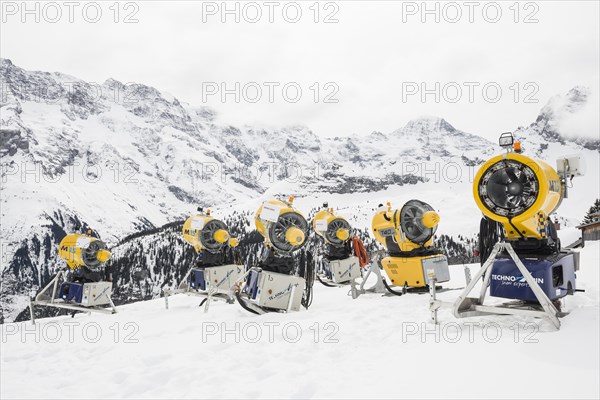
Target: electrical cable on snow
360, 251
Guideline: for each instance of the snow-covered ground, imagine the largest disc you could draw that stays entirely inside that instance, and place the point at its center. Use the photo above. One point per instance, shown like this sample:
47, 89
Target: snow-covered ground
370, 347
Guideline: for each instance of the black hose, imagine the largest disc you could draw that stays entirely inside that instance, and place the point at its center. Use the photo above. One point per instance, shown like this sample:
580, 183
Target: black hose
513, 225
489, 235
325, 283
243, 304
392, 291
309, 278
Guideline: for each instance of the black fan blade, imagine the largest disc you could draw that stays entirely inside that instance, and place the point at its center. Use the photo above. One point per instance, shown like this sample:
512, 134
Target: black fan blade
500, 178
523, 177
498, 193
510, 172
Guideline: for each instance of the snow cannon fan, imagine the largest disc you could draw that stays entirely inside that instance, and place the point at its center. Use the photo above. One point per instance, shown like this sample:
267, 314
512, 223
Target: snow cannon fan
83, 286
276, 283
520, 193
338, 266
518, 243
215, 272
406, 230
206, 233
283, 227
407, 234
334, 230
82, 252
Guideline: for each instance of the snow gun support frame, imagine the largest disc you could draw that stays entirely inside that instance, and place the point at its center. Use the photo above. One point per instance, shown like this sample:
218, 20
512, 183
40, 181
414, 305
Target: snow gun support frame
223, 276
92, 293
471, 306
379, 286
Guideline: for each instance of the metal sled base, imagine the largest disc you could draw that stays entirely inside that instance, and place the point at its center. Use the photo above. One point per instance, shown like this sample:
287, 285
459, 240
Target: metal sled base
354, 291
47, 297
379, 286
471, 306
255, 309
210, 295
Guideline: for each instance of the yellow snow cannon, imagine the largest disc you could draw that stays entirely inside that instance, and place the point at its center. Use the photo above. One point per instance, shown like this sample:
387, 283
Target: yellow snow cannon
519, 192
334, 230
207, 233
217, 268
283, 227
342, 255
83, 251
84, 285
278, 282
519, 247
407, 234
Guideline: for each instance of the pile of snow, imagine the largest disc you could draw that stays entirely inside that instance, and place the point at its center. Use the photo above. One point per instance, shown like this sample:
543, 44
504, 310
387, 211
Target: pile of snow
371, 347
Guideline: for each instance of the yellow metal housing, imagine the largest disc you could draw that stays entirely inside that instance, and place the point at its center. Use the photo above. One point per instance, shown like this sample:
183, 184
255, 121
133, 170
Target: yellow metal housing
194, 227
294, 236
431, 219
531, 222
342, 234
103, 256
221, 236
261, 224
406, 270
72, 248
386, 222
322, 220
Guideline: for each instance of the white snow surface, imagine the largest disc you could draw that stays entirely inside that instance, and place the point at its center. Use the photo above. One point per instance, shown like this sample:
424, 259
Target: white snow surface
370, 347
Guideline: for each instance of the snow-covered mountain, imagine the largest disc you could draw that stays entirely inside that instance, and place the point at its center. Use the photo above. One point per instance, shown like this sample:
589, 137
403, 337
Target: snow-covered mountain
122, 158
561, 113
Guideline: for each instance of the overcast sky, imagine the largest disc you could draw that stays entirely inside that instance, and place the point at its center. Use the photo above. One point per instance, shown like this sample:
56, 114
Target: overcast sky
377, 58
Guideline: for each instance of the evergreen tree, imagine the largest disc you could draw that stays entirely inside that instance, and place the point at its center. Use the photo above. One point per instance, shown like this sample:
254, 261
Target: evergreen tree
593, 209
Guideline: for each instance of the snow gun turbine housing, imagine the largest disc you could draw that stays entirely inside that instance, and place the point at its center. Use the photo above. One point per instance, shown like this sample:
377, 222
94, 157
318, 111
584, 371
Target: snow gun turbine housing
84, 285
81, 251
213, 276
407, 234
338, 266
284, 228
274, 283
334, 230
519, 247
206, 233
